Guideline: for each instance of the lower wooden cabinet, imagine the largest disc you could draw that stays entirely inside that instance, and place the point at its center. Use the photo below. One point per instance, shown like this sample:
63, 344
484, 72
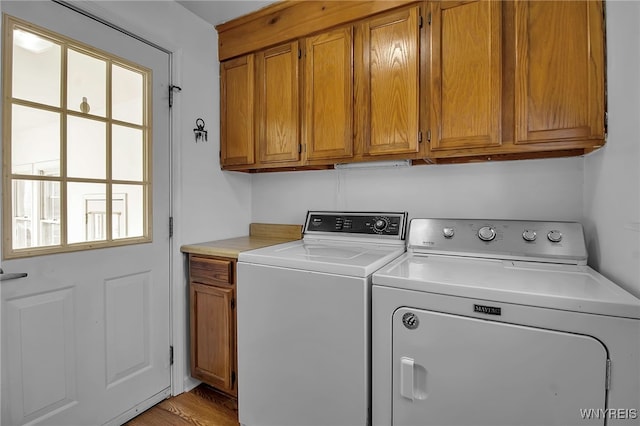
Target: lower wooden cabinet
212, 290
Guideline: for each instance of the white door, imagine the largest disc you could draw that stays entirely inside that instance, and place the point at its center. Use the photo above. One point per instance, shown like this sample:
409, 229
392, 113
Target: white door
455, 370
85, 336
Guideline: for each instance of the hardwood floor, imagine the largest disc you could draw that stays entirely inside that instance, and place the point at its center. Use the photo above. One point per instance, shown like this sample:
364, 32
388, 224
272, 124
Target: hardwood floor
202, 406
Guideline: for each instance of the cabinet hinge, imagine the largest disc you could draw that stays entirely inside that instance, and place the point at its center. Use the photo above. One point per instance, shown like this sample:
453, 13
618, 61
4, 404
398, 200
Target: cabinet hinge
170, 226
233, 377
233, 303
173, 88
299, 53
420, 22
420, 137
299, 148
606, 123
608, 379
429, 135
429, 18
170, 355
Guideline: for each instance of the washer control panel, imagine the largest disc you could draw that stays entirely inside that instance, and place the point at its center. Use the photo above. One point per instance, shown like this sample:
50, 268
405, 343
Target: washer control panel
556, 242
386, 225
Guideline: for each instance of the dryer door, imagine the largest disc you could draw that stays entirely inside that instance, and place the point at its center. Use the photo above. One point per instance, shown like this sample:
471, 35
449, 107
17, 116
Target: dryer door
455, 370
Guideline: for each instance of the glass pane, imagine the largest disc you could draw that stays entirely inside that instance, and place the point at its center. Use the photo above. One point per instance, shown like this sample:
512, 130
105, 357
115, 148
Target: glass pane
35, 213
127, 92
86, 148
36, 68
86, 83
35, 141
127, 153
86, 212
128, 211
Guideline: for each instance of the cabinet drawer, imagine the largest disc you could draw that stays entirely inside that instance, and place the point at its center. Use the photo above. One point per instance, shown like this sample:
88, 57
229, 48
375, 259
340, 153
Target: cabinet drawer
210, 271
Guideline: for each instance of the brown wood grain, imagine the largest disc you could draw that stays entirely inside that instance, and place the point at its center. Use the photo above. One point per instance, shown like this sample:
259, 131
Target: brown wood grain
328, 115
210, 270
213, 354
236, 111
201, 406
275, 231
388, 83
278, 104
289, 20
485, 79
559, 67
466, 75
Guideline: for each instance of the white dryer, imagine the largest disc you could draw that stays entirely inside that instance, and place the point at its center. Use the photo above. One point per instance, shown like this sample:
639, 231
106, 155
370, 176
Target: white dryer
304, 321
486, 322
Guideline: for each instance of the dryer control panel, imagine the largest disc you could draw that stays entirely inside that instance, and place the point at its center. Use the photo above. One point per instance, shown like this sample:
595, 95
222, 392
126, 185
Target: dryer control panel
554, 242
377, 225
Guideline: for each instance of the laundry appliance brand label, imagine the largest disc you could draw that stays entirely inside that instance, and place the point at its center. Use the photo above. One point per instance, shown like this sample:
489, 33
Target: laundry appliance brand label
488, 310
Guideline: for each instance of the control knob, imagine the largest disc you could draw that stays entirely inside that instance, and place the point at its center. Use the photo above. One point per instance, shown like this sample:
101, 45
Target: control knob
486, 233
380, 224
529, 235
554, 236
448, 232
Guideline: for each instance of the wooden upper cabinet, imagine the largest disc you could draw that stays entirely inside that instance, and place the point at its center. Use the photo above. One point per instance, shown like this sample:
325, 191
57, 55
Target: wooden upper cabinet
387, 83
466, 65
277, 104
328, 83
236, 111
559, 71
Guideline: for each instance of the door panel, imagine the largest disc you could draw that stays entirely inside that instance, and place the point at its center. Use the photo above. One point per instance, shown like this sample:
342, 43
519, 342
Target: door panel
329, 100
237, 111
455, 370
278, 104
388, 83
466, 75
85, 336
558, 96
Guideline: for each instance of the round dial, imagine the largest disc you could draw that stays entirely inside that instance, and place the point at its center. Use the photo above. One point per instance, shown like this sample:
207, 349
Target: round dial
554, 236
448, 232
380, 224
486, 233
529, 235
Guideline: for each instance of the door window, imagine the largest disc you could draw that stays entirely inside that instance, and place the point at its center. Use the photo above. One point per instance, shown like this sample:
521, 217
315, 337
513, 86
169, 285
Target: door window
76, 141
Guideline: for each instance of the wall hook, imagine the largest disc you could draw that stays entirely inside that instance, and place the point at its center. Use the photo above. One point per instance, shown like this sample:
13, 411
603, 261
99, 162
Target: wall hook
199, 131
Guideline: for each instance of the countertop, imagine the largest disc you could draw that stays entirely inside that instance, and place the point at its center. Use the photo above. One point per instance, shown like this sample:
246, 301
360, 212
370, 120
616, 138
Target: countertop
260, 235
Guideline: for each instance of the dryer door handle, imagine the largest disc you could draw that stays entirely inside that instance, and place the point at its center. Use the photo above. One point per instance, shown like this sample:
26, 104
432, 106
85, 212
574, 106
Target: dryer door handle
406, 377
413, 380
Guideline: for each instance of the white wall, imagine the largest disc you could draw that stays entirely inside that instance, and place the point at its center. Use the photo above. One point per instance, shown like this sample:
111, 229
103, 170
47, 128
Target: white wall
612, 177
535, 189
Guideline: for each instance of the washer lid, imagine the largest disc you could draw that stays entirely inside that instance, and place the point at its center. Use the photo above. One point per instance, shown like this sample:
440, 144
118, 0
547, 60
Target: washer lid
575, 288
332, 257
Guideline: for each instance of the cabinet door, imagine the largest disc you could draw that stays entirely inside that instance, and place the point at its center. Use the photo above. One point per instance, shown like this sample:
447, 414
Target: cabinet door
236, 111
278, 104
328, 123
559, 71
465, 74
388, 83
212, 335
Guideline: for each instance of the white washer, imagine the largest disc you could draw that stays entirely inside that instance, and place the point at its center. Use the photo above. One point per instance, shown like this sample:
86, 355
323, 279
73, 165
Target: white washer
487, 322
304, 329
